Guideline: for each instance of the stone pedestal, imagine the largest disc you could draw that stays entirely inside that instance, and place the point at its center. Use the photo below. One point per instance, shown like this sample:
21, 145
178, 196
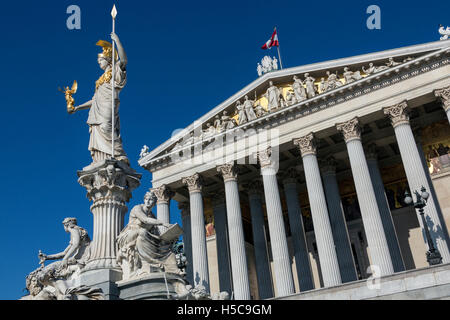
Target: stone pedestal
157, 286
109, 184
105, 279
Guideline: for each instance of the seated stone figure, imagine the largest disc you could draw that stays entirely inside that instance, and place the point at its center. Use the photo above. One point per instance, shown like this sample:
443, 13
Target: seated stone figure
142, 248
56, 280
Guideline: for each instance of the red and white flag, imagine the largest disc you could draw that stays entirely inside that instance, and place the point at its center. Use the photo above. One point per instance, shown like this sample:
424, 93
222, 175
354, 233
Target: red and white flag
272, 42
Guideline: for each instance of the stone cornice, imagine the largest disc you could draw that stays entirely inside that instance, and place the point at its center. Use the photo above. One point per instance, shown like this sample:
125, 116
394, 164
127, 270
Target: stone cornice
325, 100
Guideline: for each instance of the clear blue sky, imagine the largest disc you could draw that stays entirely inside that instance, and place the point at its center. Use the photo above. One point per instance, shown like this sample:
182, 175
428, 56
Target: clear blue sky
185, 57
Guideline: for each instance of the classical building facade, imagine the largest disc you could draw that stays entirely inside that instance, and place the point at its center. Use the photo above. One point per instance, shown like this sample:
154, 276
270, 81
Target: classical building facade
297, 182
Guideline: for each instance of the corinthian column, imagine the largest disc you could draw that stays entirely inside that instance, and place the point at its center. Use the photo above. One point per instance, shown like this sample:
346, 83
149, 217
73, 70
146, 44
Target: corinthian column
238, 257
304, 273
263, 274
399, 115
109, 184
199, 252
444, 95
223, 251
337, 220
277, 231
186, 221
373, 225
385, 212
163, 195
319, 213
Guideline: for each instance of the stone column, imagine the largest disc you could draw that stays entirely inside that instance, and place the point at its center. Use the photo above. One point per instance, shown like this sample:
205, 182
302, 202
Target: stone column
263, 274
444, 95
277, 231
109, 184
385, 212
338, 223
399, 115
373, 226
238, 256
304, 273
163, 195
319, 213
186, 221
199, 252
223, 252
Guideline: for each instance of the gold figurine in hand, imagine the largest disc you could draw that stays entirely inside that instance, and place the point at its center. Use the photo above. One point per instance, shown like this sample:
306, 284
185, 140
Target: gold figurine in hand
68, 94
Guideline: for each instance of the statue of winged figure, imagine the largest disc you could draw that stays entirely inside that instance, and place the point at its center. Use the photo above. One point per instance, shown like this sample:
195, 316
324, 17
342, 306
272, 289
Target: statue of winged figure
68, 94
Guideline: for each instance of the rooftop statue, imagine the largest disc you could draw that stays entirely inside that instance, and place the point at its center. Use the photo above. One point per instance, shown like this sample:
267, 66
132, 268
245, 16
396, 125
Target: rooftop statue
56, 280
142, 248
248, 108
100, 113
273, 97
444, 32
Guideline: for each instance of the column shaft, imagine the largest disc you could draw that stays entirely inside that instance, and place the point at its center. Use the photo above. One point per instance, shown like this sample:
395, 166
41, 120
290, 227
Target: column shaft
416, 179
223, 253
238, 256
322, 227
263, 273
278, 241
386, 217
302, 263
339, 228
186, 221
373, 226
199, 251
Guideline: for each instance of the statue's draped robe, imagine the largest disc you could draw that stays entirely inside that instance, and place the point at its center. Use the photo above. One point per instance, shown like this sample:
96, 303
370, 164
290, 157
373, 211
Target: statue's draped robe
144, 238
99, 121
273, 93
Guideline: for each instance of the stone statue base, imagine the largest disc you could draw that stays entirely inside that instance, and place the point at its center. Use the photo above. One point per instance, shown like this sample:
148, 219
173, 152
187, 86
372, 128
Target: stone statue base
156, 286
104, 279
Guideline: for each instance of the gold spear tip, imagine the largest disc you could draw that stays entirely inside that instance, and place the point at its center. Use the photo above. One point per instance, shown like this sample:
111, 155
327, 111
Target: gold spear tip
114, 12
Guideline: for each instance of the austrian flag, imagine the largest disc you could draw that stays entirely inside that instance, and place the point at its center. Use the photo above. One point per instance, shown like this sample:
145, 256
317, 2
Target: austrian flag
272, 42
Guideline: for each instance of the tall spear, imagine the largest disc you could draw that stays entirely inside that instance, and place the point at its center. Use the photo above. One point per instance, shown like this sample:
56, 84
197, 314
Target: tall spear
113, 14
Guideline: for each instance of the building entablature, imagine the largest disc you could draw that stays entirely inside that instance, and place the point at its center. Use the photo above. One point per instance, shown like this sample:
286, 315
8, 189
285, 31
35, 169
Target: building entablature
351, 95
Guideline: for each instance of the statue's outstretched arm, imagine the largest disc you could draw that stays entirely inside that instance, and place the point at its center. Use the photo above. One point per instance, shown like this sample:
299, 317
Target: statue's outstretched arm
120, 50
60, 255
83, 106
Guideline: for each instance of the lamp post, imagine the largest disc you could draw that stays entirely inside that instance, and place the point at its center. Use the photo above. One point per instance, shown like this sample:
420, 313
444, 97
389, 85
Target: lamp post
433, 254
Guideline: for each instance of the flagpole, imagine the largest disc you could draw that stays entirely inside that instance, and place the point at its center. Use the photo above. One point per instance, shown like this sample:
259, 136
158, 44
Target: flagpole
113, 14
278, 48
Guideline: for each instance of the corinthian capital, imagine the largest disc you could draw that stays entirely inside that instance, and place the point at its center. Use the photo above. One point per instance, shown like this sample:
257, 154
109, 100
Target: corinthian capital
229, 171
264, 157
351, 130
306, 144
194, 183
398, 113
163, 194
444, 95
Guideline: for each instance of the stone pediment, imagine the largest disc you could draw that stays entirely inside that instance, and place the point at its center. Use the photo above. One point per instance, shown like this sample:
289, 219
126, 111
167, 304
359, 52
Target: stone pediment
297, 88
